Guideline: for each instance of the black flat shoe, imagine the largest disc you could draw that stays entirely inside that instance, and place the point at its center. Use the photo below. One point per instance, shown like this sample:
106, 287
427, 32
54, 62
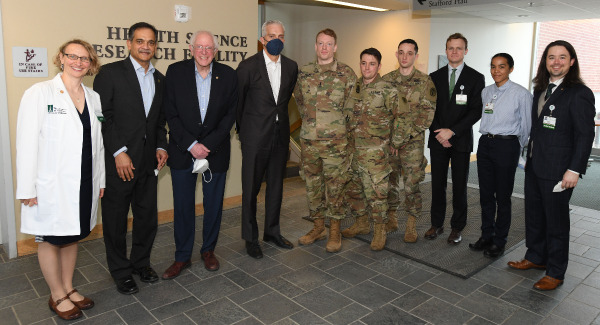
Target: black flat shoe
493, 251
279, 241
147, 274
127, 285
253, 249
481, 244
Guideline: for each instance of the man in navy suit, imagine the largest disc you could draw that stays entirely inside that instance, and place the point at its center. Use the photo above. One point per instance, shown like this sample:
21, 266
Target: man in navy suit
451, 136
266, 82
134, 135
560, 142
200, 102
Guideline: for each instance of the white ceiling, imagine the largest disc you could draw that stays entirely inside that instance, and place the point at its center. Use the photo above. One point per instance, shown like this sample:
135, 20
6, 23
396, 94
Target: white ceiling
524, 11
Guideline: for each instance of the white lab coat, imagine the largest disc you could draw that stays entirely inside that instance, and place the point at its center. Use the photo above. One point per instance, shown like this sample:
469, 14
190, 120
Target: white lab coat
49, 139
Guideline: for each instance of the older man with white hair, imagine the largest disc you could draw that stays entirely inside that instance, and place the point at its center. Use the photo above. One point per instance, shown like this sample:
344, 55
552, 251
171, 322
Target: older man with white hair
200, 102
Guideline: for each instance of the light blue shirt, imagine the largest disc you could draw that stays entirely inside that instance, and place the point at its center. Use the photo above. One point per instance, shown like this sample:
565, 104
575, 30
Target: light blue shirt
146, 80
459, 69
147, 87
512, 111
203, 92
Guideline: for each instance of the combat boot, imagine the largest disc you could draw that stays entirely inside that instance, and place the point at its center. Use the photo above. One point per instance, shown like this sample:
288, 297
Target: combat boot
392, 223
317, 233
359, 227
410, 236
379, 237
334, 244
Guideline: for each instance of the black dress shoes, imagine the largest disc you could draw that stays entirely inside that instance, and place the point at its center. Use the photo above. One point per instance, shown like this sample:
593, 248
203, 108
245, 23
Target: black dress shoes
147, 274
493, 251
127, 285
253, 249
481, 244
279, 241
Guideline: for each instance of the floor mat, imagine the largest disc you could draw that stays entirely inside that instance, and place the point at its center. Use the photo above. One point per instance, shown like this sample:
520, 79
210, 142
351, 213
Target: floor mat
458, 259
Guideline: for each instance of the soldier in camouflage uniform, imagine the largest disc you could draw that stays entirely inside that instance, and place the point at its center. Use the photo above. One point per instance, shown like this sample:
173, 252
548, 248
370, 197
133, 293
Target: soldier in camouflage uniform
322, 89
375, 112
417, 90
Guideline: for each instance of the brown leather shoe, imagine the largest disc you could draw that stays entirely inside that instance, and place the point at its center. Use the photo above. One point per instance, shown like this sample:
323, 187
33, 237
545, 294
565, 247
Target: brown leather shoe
71, 314
433, 232
454, 237
547, 283
525, 265
84, 304
175, 269
210, 261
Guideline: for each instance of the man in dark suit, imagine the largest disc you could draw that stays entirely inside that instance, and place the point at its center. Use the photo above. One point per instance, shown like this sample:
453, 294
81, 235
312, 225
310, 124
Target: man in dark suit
135, 138
266, 82
200, 102
560, 142
458, 107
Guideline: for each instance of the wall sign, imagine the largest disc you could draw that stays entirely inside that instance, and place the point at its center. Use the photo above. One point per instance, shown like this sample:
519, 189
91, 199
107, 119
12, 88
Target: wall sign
31, 62
441, 4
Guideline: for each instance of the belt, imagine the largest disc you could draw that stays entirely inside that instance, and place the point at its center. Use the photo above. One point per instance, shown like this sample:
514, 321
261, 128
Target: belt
502, 137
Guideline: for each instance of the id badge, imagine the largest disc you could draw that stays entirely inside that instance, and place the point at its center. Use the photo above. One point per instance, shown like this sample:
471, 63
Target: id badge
549, 122
489, 108
99, 116
461, 99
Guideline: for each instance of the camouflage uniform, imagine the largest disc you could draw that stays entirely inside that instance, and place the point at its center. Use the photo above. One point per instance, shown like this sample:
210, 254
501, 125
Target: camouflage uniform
320, 93
418, 91
375, 109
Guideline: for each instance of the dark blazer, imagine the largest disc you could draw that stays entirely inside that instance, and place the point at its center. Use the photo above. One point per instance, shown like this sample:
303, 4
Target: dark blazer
125, 122
458, 118
256, 106
182, 110
569, 145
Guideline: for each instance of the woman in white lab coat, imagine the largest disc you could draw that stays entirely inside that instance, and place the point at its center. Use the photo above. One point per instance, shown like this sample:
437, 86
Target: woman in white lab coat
60, 170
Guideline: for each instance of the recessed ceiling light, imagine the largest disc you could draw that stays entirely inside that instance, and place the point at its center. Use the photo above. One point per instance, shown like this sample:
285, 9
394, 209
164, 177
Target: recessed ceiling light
353, 5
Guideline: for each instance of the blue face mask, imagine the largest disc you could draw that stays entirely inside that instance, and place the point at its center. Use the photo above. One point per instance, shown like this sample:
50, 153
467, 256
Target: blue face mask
274, 46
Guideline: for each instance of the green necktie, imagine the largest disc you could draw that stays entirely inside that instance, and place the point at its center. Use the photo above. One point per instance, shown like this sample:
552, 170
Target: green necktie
452, 82
549, 91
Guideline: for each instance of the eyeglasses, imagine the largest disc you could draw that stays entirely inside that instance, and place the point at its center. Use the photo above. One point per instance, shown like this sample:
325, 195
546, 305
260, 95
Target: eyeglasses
84, 59
199, 48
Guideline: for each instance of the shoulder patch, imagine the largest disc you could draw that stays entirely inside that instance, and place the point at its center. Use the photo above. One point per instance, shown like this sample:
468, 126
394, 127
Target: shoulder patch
432, 91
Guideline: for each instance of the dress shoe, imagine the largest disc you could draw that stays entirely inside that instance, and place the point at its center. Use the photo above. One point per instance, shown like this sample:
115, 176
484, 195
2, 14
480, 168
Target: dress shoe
253, 249
175, 269
433, 232
84, 304
70, 314
279, 241
481, 244
211, 263
147, 274
547, 283
454, 237
525, 265
493, 251
127, 285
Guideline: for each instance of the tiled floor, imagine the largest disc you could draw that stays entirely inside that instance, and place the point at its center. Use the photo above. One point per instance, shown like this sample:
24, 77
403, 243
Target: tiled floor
306, 285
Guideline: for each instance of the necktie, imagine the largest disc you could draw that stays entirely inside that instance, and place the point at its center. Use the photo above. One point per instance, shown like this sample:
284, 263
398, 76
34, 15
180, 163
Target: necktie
452, 82
549, 91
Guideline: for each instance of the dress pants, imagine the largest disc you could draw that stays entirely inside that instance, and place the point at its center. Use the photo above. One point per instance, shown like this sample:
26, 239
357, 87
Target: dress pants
497, 161
547, 224
256, 163
184, 204
140, 193
440, 158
